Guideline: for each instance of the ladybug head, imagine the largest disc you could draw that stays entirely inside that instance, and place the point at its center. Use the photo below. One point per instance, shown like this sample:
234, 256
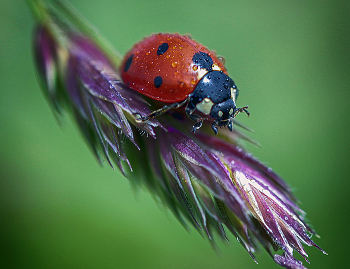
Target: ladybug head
215, 95
223, 111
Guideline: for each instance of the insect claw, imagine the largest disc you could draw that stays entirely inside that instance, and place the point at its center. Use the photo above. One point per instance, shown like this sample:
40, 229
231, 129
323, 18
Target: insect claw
215, 129
230, 126
197, 126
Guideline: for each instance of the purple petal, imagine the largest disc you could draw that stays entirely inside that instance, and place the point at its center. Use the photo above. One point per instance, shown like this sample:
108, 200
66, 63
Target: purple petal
196, 161
242, 160
288, 261
45, 54
74, 89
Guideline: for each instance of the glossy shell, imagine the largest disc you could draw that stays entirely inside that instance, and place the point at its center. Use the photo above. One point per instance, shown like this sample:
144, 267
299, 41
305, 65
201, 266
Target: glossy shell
167, 67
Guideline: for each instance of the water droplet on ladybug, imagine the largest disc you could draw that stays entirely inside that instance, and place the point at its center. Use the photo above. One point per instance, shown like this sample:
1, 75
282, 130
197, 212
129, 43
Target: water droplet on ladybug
174, 64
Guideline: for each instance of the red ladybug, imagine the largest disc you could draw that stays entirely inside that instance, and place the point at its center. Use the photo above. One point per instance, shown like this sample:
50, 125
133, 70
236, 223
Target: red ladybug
177, 70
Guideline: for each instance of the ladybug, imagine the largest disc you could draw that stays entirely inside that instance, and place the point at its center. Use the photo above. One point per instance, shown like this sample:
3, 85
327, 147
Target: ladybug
176, 70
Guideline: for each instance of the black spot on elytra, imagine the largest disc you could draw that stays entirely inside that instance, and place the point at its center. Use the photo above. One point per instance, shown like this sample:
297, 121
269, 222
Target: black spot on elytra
128, 63
158, 81
203, 60
162, 48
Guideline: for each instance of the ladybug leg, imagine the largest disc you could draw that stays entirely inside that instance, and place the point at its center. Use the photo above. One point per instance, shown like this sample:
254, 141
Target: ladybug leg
159, 112
198, 119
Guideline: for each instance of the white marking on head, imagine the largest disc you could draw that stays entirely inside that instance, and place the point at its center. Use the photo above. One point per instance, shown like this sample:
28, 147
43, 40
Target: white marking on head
231, 111
201, 73
220, 113
205, 106
206, 80
215, 67
233, 94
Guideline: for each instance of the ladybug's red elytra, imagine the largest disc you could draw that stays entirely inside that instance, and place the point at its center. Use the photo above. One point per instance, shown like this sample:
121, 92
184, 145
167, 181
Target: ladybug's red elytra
177, 70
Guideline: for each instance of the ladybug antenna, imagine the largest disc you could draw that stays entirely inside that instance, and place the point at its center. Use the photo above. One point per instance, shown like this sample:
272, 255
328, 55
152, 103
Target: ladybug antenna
239, 110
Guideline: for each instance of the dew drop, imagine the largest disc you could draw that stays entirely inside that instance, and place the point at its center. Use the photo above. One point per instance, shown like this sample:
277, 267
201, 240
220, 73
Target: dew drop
174, 64
195, 68
193, 81
265, 191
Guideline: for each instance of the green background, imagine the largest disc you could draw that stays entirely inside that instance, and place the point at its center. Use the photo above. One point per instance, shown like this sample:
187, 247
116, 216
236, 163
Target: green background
291, 60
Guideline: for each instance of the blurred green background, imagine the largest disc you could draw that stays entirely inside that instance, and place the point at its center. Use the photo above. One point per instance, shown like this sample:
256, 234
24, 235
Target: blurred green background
291, 60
